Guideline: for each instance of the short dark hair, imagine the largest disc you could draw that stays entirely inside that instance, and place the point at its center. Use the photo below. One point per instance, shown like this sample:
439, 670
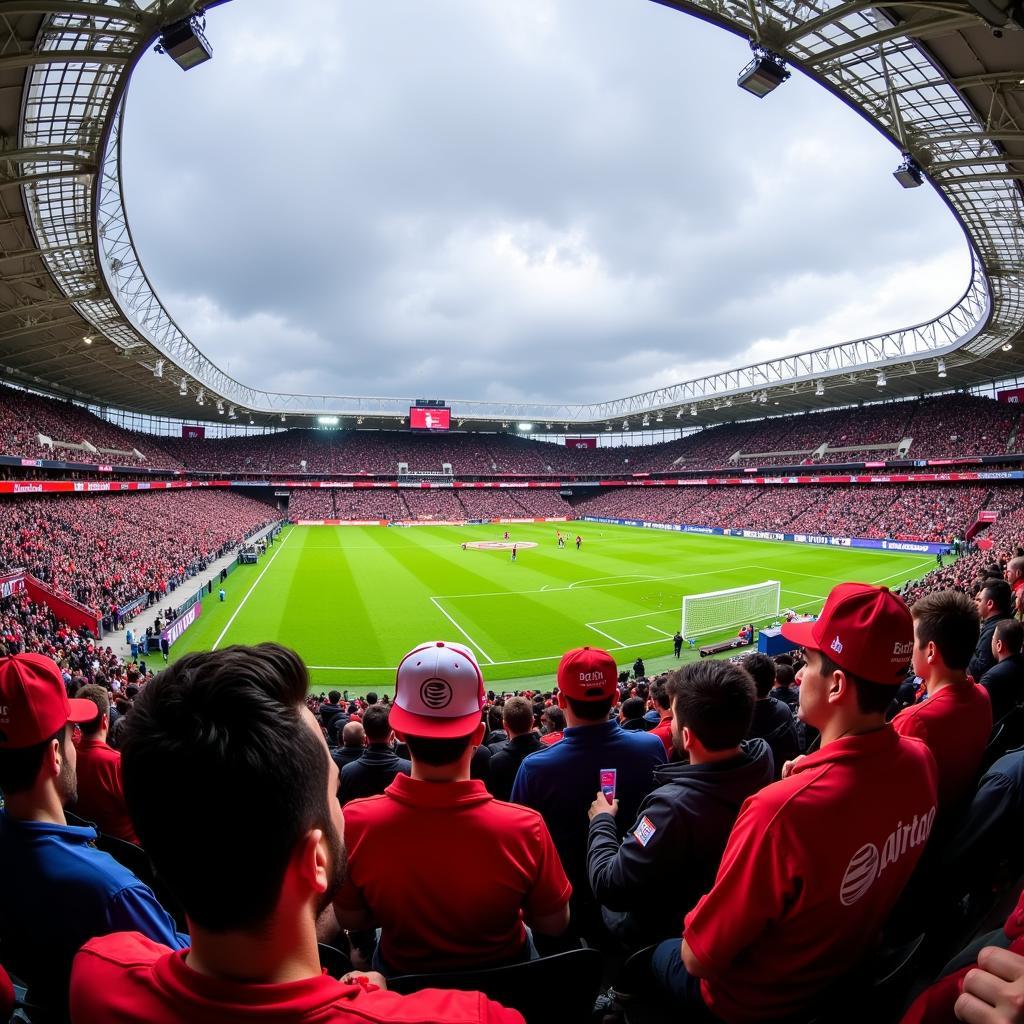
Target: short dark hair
555, 716
591, 710
660, 694
100, 696
762, 671
217, 755
437, 753
1000, 593
19, 768
784, 675
1010, 633
376, 723
948, 619
872, 698
371, 699
334, 696
715, 701
633, 708
518, 715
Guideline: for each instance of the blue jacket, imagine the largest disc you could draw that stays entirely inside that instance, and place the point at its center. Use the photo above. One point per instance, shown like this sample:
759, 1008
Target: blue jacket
562, 780
671, 853
58, 892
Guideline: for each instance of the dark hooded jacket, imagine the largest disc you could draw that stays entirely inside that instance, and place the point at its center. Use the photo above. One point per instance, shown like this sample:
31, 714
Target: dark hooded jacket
670, 856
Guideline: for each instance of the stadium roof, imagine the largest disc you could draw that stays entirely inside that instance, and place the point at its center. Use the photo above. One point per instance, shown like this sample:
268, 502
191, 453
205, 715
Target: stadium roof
944, 81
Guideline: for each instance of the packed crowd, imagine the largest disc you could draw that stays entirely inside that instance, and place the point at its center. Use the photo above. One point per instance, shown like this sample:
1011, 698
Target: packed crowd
947, 426
107, 550
739, 840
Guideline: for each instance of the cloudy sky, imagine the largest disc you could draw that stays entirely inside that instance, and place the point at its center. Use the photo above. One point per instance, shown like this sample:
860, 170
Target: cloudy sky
548, 200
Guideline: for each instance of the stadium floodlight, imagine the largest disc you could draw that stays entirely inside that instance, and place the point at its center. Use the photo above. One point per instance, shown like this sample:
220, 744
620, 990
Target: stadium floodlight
252, 422
660, 418
183, 387
693, 410
909, 174
158, 368
765, 73
625, 424
87, 339
327, 421
185, 43
201, 397
819, 388
609, 427
721, 610
283, 417
549, 426
881, 379
764, 398
231, 412
1007, 346
525, 426
941, 367
220, 407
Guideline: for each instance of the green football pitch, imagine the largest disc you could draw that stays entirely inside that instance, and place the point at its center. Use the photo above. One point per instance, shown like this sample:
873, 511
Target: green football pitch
352, 600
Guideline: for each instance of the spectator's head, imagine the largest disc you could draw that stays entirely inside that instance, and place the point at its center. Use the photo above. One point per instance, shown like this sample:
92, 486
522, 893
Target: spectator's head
784, 675
371, 699
376, 724
994, 597
660, 694
101, 698
517, 717
632, 709
587, 685
762, 671
222, 754
353, 735
1007, 639
334, 696
552, 719
37, 756
713, 705
945, 632
439, 697
857, 653
1014, 570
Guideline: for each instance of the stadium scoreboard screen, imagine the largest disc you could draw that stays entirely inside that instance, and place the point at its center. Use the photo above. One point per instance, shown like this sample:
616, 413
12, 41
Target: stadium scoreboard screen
429, 418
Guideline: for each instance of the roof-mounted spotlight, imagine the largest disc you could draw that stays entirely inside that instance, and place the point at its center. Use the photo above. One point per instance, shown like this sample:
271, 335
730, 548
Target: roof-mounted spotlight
220, 407
941, 367
201, 397
625, 424
609, 427
158, 368
88, 339
525, 426
693, 410
252, 422
660, 418
646, 421
819, 388
549, 426
231, 412
765, 73
183, 387
283, 417
185, 43
881, 379
1007, 346
909, 173
764, 397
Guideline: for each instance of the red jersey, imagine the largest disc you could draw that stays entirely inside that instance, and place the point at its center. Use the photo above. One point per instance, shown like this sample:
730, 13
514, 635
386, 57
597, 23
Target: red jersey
956, 724
447, 872
124, 978
663, 730
812, 869
100, 793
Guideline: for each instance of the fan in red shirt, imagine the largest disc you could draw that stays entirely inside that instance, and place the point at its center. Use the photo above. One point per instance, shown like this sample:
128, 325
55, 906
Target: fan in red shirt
816, 861
100, 793
955, 720
232, 791
436, 908
663, 702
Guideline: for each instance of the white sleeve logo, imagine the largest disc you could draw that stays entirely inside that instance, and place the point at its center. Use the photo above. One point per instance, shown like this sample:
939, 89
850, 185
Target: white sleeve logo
644, 832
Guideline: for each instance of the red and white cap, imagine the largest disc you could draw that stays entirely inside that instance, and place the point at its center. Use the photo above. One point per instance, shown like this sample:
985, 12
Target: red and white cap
868, 631
588, 673
34, 702
439, 692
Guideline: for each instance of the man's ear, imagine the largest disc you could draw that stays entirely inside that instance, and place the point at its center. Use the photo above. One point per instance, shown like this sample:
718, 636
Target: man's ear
312, 860
838, 685
478, 736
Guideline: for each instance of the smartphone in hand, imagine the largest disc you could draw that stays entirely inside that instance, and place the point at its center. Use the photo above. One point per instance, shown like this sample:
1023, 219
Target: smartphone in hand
608, 783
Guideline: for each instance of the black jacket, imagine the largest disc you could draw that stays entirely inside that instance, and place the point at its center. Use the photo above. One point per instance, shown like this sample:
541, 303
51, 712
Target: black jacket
505, 762
774, 723
983, 658
788, 695
670, 856
371, 774
346, 755
1005, 684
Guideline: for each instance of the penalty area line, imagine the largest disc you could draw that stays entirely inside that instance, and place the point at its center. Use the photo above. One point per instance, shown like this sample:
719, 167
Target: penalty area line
472, 642
255, 582
661, 631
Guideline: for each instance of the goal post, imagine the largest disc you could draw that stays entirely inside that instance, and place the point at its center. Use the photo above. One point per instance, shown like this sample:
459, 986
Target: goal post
724, 609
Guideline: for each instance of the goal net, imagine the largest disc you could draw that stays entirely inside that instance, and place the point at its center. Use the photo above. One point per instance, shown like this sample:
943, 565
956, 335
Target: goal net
725, 609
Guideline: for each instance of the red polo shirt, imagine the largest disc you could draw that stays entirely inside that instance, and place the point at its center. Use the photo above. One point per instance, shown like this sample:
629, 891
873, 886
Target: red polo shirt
956, 723
811, 871
124, 978
663, 730
100, 793
448, 873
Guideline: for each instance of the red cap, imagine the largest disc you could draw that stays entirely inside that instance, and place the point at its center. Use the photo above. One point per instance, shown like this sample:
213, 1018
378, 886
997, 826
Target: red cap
588, 673
34, 703
868, 631
439, 692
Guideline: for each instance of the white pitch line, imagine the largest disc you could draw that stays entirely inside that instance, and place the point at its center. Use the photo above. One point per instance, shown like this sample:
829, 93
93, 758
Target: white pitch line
661, 631
472, 642
623, 576
604, 634
241, 604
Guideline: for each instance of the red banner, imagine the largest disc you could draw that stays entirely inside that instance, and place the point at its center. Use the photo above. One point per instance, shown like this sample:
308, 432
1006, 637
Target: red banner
1012, 396
64, 607
581, 442
193, 432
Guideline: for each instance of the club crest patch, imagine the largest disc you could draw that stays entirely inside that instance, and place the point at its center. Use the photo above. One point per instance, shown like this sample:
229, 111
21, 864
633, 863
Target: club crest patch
644, 832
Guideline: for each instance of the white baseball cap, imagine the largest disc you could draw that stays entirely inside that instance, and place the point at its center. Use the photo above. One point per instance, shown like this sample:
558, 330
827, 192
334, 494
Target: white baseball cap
439, 692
